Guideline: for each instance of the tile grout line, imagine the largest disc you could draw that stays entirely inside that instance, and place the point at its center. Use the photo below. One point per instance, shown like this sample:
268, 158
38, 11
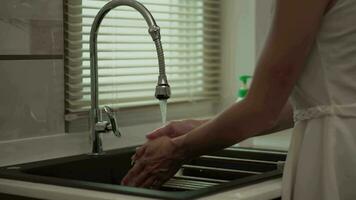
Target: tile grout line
31, 57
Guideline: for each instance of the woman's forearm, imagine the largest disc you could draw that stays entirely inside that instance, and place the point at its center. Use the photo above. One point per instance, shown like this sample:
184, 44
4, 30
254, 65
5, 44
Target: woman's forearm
232, 126
285, 121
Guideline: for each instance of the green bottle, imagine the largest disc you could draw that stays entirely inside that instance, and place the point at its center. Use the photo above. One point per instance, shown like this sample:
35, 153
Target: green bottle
242, 92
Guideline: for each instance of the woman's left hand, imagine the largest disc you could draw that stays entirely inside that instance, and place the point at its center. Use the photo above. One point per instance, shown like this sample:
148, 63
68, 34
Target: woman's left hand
155, 162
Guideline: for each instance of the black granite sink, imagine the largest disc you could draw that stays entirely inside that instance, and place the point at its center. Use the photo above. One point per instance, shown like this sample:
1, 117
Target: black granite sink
223, 170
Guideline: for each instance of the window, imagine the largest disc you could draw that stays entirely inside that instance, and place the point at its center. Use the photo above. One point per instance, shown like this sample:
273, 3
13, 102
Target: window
127, 60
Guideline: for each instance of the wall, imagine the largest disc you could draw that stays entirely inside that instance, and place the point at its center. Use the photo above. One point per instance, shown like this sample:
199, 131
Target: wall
238, 46
245, 28
31, 66
264, 16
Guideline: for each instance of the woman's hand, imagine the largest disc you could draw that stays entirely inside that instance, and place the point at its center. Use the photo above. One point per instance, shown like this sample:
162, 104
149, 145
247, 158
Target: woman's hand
172, 130
175, 128
155, 162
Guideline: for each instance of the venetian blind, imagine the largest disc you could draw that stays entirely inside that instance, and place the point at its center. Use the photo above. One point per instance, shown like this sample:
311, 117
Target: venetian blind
127, 60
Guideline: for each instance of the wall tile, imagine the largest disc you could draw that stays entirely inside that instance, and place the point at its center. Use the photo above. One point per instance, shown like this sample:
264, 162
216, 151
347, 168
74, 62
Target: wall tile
32, 98
14, 37
46, 37
31, 27
32, 9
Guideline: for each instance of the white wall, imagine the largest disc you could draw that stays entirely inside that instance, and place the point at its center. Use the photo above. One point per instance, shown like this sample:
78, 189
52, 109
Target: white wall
264, 16
238, 46
245, 26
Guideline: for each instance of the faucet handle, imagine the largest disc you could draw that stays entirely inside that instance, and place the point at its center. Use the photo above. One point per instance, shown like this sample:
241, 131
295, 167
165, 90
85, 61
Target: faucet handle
112, 117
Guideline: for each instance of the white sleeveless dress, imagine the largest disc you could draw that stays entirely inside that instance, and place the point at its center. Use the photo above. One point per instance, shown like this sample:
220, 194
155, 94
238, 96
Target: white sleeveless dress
321, 164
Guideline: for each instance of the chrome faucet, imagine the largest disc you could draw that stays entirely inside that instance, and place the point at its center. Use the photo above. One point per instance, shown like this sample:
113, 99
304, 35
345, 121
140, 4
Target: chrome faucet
97, 125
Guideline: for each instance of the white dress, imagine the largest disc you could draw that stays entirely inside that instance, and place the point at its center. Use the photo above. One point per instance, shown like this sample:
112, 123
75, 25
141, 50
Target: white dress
321, 164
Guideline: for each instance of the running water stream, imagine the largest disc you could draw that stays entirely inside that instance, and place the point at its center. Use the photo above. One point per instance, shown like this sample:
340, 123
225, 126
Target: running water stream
163, 107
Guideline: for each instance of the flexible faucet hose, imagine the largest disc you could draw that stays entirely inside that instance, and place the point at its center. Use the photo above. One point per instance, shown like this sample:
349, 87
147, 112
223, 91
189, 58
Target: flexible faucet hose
160, 55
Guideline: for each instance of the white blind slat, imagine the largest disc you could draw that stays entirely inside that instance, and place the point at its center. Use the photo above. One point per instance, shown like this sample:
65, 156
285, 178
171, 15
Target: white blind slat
121, 83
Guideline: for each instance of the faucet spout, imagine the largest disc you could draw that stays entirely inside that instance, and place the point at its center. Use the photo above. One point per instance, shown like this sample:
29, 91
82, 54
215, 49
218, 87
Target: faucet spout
162, 89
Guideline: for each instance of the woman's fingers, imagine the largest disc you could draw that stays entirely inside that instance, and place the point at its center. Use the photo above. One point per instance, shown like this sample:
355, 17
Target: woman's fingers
139, 153
142, 174
156, 162
175, 128
157, 133
155, 178
167, 130
145, 173
149, 182
136, 170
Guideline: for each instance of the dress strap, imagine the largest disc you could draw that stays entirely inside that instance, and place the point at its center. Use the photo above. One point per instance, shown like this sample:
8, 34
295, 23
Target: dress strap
325, 110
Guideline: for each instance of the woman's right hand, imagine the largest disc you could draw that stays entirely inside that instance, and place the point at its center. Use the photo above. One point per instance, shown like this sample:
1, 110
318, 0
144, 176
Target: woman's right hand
175, 128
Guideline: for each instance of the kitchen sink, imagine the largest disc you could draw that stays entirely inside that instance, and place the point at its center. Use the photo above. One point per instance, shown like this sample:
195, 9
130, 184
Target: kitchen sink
226, 169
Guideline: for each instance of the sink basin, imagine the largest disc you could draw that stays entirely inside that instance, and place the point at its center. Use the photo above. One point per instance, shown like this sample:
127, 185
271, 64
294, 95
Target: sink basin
222, 170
